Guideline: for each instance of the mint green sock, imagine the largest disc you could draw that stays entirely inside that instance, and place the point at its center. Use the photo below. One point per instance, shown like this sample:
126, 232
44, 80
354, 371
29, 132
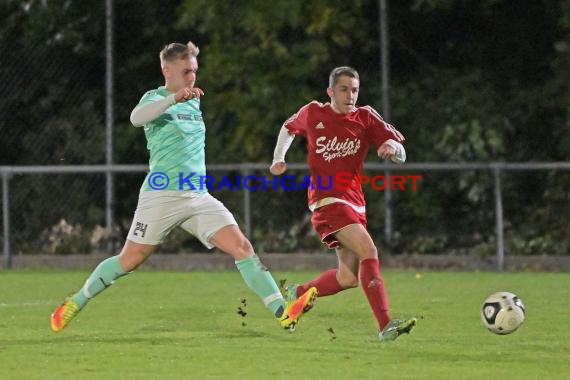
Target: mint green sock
260, 281
101, 278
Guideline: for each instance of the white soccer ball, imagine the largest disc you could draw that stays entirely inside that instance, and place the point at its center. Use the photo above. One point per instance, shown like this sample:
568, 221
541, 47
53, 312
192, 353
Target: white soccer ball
502, 313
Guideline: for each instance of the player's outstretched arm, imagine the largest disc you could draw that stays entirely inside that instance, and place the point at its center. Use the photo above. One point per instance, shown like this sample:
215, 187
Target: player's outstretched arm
284, 140
145, 113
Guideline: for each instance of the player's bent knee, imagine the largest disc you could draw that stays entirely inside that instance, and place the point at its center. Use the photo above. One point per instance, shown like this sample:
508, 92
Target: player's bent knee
133, 255
245, 248
352, 284
370, 253
348, 282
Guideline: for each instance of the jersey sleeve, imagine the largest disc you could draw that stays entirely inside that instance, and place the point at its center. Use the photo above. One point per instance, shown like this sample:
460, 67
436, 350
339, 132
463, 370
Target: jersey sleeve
149, 97
150, 107
379, 130
298, 123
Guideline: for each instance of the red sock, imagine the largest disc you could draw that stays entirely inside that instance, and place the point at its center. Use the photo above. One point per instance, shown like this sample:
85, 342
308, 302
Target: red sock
326, 284
373, 286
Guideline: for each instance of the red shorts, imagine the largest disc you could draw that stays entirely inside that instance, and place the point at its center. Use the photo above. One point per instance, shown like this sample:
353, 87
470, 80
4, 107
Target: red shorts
329, 219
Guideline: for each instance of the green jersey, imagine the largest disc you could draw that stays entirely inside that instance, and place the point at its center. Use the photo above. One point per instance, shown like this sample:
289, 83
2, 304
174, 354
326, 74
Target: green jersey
176, 142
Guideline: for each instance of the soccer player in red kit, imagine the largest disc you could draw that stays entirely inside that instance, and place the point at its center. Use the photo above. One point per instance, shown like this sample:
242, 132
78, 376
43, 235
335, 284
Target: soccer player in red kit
339, 135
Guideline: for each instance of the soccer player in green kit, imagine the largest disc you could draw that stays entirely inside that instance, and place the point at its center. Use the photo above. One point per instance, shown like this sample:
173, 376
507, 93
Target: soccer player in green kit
172, 196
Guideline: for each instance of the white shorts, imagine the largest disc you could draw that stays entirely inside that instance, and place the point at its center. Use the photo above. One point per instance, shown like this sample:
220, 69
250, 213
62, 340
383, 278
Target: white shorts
159, 212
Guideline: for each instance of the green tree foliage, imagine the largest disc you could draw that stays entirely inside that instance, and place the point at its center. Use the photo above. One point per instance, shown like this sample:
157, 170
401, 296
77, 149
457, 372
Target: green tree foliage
51, 70
470, 81
262, 61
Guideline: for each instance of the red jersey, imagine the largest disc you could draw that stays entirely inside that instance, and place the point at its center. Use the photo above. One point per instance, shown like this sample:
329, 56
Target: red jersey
338, 143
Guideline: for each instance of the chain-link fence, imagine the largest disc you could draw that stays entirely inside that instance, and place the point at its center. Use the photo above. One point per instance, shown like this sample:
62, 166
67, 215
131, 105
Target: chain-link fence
54, 113
60, 209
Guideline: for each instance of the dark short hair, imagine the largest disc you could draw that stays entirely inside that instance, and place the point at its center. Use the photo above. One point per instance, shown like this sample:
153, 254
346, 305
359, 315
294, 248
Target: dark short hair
337, 72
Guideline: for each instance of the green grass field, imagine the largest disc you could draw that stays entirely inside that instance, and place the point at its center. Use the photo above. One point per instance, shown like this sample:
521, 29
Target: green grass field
171, 325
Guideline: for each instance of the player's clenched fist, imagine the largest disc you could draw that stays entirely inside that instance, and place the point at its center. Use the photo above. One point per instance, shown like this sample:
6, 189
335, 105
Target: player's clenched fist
188, 93
278, 168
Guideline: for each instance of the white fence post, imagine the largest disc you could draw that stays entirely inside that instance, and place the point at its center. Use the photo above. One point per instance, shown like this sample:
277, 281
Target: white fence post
109, 122
6, 219
246, 205
499, 219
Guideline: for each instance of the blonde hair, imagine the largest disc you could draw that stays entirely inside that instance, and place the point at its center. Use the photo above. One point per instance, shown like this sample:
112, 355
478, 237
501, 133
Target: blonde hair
174, 51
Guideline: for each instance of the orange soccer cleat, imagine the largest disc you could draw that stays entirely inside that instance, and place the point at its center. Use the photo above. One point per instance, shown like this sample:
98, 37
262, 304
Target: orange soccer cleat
63, 314
297, 308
